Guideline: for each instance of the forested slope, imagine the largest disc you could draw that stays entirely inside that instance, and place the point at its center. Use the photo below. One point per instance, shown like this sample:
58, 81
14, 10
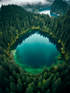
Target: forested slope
59, 7
15, 21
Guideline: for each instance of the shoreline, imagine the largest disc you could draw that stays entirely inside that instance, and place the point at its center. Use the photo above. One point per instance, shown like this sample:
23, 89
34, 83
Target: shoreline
13, 52
30, 69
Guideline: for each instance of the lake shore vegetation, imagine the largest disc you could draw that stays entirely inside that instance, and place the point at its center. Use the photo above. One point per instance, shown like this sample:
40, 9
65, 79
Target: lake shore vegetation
14, 22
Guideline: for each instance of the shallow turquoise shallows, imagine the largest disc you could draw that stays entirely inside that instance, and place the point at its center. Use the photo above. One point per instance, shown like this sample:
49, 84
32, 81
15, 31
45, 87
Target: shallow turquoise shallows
36, 51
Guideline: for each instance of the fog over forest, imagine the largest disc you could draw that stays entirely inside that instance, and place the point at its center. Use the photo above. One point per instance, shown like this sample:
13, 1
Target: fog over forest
20, 2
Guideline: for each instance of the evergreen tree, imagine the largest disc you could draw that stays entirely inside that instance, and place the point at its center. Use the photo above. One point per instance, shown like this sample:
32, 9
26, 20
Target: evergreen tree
12, 87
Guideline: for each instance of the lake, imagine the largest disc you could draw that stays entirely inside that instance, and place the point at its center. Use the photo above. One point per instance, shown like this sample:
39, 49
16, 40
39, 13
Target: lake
47, 11
35, 50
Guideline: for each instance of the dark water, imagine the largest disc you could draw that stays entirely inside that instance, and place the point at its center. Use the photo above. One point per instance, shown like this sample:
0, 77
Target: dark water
37, 50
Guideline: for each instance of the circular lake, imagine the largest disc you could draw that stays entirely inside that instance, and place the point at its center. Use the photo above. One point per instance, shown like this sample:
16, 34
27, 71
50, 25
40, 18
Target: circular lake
35, 50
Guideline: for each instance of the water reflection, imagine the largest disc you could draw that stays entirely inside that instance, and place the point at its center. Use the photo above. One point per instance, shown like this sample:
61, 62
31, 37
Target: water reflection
36, 51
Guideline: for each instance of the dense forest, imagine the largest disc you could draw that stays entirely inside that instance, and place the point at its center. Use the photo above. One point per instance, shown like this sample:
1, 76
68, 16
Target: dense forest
59, 7
15, 21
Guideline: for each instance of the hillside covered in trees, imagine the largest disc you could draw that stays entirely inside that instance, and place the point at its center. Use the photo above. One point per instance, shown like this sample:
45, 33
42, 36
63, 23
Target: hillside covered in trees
59, 7
15, 21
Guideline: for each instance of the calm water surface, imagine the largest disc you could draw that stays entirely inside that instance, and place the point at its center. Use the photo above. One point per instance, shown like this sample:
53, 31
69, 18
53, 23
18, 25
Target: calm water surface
36, 51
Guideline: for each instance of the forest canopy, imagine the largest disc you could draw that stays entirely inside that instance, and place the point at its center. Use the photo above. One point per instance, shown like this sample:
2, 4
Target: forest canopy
14, 21
60, 7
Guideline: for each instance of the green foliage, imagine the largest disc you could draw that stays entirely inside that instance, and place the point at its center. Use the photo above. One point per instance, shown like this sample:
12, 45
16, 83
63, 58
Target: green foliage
34, 79
14, 74
11, 68
5, 65
52, 75
63, 66
66, 78
23, 78
12, 87
44, 70
11, 79
18, 75
1, 58
45, 75
4, 71
56, 84
28, 79
6, 81
54, 90
2, 83
57, 75
47, 83
19, 88
67, 84
48, 91
1, 50
59, 7
43, 85
59, 81
7, 90
1, 73
40, 79
53, 80
68, 67
33, 85
38, 92
20, 84
25, 84
58, 67
66, 72
51, 68
31, 77
30, 88
48, 30
10, 30
39, 85
19, 80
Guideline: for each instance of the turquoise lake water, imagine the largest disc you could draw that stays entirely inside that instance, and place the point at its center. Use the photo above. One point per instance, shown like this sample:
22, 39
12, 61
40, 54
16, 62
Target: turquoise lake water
36, 51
